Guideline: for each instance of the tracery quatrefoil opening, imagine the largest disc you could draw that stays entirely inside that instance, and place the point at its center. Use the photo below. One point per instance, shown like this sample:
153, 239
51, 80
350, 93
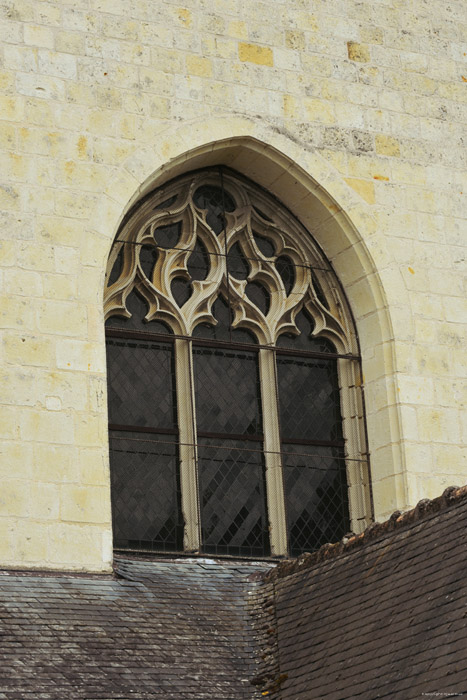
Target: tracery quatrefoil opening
222, 283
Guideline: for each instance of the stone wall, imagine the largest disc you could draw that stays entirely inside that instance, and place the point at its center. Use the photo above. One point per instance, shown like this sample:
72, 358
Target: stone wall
351, 112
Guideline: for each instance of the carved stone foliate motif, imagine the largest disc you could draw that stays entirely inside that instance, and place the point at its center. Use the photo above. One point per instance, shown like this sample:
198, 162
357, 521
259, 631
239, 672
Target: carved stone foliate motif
207, 236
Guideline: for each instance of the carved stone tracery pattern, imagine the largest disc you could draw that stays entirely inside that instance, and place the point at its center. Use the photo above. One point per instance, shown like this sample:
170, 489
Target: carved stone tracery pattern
252, 219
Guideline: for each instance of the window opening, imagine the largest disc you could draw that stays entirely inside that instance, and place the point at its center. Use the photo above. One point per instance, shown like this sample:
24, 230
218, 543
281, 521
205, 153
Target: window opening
235, 400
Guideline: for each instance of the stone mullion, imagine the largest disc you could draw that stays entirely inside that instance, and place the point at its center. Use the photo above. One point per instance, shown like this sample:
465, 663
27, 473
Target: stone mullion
272, 449
353, 429
187, 448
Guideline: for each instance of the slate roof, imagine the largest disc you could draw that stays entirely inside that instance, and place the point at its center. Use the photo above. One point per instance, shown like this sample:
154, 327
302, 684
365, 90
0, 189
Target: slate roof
170, 629
380, 615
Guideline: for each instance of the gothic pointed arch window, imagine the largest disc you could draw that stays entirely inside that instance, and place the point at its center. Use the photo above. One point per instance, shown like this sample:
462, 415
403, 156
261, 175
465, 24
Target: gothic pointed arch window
235, 407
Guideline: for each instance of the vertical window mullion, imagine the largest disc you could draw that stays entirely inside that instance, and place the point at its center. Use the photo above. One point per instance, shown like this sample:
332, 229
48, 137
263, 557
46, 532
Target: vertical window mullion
187, 448
272, 450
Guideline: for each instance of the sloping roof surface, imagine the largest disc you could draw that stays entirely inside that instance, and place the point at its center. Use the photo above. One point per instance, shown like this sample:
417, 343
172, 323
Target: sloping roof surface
381, 615
385, 618
169, 629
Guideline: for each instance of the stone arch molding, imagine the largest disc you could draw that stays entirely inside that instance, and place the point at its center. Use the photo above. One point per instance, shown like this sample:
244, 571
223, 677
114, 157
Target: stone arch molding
339, 220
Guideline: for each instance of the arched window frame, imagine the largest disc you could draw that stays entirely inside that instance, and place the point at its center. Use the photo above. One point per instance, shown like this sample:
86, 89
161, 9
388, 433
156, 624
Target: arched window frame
321, 295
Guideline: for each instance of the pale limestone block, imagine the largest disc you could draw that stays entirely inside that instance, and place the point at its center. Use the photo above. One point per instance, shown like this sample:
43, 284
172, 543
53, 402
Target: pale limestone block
31, 140
8, 136
76, 547
75, 204
79, 355
16, 312
428, 306
122, 187
409, 422
11, 32
9, 197
151, 33
30, 543
237, 29
94, 466
9, 429
44, 426
455, 308
379, 391
156, 82
43, 86
90, 431
83, 504
416, 390
190, 88
70, 42
372, 331
45, 502
450, 459
438, 425
286, 59
425, 331
319, 111
20, 58
8, 529
27, 350
451, 334
98, 47
167, 60
56, 464
62, 318
111, 151
8, 253
389, 494
15, 460
16, 226
214, 46
60, 287
364, 188
48, 13
66, 260
15, 496
108, 214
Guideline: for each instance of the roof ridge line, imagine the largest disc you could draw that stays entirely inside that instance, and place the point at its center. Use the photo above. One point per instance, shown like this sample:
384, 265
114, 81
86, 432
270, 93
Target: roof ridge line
424, 508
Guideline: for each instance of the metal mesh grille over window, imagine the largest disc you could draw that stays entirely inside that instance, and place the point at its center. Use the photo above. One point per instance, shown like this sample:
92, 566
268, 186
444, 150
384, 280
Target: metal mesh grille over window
235, 400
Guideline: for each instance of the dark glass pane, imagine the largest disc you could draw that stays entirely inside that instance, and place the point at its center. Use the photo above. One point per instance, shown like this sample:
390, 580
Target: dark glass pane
216, 201
181, 289
237, 263
262, 214
166, 203
146, 508
316, 496
308, 398
304, 341
286, 269
221, 313
168, 236
117, 268
141, 383
259, 295
147, 259
227, 391
232, 498
198, 262
265, 245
